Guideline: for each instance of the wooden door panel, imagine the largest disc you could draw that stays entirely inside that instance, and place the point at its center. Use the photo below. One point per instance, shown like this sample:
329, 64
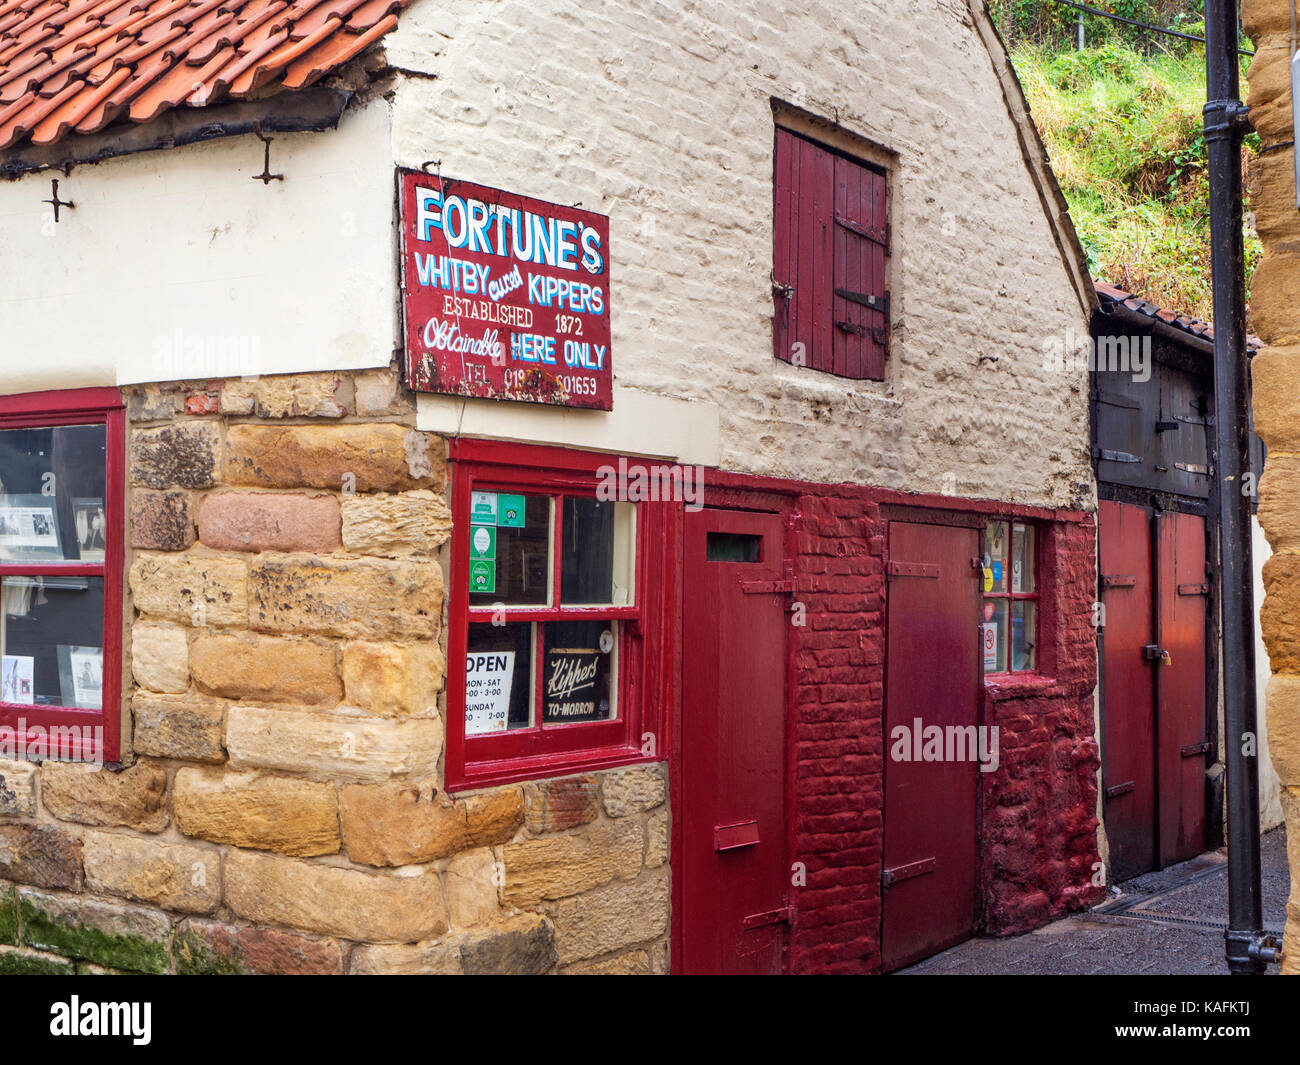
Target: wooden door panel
1183, 740
932, 676
1124, 535
735, 875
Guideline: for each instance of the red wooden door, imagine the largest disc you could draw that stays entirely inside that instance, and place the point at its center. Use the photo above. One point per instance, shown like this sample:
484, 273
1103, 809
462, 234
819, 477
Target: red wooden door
1128, 779
1154, 697
931, 676
1180, 684
735, 871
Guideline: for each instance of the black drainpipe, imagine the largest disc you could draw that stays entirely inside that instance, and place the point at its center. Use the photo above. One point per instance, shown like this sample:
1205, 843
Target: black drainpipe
1248, 949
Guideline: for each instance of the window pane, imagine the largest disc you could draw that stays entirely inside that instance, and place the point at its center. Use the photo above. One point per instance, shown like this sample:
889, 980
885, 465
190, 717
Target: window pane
995, 557
579, 671
498, 678
1023, 633
52, 494
994, 635
1022, 577
510, 549
597, 554
52, 641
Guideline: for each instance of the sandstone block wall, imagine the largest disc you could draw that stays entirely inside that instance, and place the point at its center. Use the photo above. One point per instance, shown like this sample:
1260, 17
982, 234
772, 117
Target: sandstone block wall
1275, 310
280, 804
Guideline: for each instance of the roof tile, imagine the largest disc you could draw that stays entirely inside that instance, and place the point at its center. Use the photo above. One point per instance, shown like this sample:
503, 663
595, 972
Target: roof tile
1112, 295
78, 65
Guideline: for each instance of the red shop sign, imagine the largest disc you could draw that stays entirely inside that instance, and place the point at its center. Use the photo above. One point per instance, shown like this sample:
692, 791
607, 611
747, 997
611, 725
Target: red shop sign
504, 296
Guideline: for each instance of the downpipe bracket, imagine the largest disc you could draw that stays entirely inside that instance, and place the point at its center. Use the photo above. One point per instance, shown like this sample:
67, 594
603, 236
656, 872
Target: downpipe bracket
1225, 119
1251, 953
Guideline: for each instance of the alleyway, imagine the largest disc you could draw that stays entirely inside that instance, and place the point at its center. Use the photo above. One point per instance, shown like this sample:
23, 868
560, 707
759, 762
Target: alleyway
1170, 922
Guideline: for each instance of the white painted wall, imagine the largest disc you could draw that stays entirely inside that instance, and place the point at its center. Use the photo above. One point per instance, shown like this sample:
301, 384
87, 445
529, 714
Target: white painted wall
661, 117
175, 265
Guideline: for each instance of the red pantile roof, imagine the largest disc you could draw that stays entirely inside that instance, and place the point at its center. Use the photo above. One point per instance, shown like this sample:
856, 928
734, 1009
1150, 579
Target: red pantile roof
78, 65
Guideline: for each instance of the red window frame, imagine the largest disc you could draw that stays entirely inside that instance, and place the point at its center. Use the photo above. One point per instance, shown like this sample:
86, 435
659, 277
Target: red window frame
554, 750
43, 410
830, 259
1012, 597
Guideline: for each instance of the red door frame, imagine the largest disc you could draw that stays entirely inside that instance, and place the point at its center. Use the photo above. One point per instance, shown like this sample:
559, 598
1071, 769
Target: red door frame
736, 492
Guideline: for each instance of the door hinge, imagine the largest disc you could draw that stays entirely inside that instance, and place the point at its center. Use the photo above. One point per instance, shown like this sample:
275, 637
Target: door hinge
912, 569
875, 234
1196, 748
1118, 580
1116, 790
785, 587
866, 299
890, 877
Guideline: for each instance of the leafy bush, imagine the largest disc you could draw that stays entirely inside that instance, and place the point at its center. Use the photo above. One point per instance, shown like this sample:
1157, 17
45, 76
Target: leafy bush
1124, 131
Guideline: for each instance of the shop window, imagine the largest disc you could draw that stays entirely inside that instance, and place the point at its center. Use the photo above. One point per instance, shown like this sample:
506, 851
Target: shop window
830, 249
61, 560
1010, 626
552, 621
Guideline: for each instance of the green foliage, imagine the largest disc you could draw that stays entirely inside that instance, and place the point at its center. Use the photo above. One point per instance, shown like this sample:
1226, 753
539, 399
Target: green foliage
1054, 26
1124, 132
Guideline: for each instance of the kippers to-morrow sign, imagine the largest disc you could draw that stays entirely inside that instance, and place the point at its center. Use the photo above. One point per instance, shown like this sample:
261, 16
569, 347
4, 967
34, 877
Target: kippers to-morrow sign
504, 296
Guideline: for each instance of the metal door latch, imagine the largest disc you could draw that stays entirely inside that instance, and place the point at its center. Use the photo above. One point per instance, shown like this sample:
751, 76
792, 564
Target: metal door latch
1153, 653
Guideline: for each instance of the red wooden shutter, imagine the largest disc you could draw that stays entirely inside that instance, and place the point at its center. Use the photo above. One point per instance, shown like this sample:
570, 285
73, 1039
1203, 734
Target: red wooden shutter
829, 234
802, 268
859, 331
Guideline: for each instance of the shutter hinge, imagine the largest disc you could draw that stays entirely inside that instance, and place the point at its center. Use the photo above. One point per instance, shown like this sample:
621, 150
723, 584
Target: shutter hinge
866, 299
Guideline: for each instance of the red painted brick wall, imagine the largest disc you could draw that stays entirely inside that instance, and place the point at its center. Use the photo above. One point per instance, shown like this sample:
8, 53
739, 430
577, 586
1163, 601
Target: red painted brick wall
839, 748
1038, 837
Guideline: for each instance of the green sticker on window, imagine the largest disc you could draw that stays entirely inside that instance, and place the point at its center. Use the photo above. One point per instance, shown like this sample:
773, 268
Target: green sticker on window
483, 541
483, 508
510, 511
482, 576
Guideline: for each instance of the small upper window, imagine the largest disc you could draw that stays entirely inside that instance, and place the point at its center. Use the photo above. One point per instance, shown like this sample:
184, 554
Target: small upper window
830, 245
60, 573
1010, 628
